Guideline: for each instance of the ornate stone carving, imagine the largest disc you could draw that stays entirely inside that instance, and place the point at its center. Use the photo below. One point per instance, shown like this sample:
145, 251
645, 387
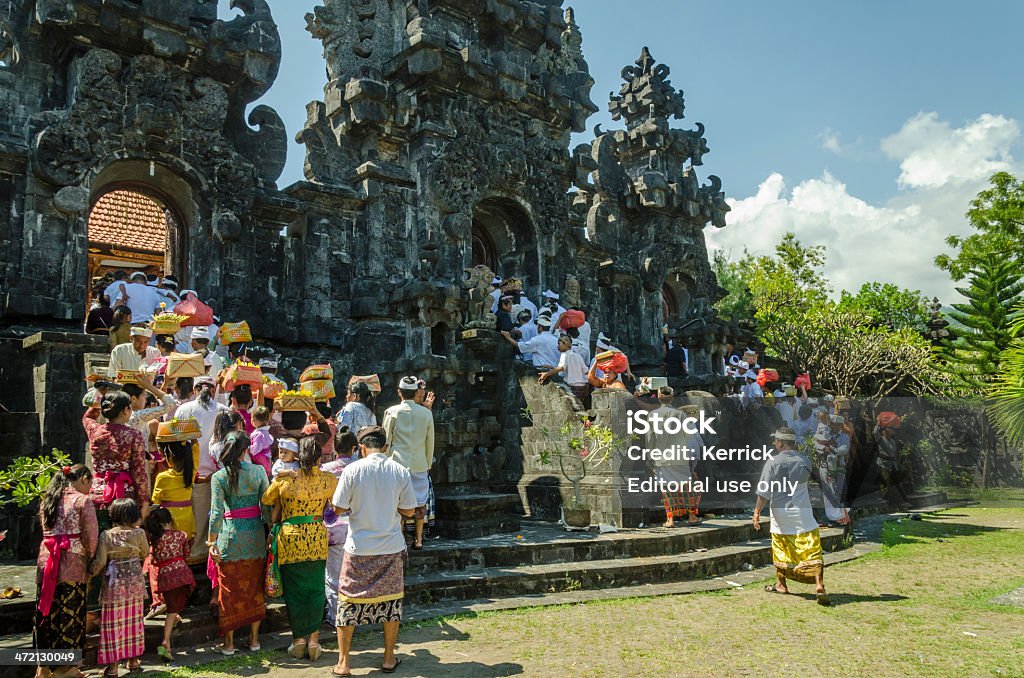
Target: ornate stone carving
478, 286
571, 292
9, 53
145, 108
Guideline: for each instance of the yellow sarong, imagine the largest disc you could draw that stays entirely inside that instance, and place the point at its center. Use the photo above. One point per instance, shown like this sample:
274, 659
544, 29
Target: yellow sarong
798, 556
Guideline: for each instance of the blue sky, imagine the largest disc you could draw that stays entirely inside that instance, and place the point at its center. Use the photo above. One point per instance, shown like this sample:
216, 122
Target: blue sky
865, 126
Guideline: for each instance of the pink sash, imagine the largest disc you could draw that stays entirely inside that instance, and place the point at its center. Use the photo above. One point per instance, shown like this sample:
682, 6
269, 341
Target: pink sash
246, 512
211, 571
176, 504
243, 513
116, 485
56, 545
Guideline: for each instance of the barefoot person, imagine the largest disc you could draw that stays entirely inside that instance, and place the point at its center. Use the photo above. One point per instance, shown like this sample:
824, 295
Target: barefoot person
675, 474
410, 433
796, 539
70, 537
378, 492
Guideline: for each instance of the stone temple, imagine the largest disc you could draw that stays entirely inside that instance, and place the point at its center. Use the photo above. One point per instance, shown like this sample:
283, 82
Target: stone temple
443, 142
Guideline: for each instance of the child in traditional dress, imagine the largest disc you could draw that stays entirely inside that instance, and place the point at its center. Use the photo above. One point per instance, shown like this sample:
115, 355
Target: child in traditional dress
122, 596
262, 440
172, 488
173, 581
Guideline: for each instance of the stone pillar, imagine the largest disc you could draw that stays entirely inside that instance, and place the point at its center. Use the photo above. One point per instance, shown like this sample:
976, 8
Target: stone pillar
58, 377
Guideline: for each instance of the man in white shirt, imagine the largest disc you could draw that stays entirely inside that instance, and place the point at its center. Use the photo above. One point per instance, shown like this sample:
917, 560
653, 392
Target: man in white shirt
114, 290
376, 492
751, 394
551, 302
543, 347
527, 330
571, 367
495, 293
134, 355
141, 298
410, 432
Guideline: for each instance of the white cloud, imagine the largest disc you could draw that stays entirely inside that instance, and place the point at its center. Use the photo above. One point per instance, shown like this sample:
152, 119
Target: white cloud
830, 142
932, 154
892, 242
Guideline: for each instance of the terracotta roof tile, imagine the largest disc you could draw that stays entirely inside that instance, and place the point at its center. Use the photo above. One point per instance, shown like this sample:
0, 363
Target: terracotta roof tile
128, 219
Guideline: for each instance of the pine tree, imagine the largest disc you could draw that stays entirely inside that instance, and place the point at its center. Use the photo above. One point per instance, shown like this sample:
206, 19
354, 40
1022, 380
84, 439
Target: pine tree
972, 359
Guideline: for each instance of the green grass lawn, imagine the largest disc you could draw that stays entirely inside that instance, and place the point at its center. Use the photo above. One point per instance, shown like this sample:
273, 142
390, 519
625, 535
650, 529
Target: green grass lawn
919, 607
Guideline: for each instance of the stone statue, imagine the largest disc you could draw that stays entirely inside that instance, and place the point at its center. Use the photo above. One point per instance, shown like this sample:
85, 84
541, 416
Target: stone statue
478, 285
571, 292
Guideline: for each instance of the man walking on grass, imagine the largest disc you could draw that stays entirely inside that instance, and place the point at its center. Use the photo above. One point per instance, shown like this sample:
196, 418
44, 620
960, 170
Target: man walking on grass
796, 539
377, 492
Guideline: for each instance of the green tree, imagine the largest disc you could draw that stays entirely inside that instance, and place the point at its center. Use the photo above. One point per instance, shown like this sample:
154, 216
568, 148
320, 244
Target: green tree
791, 281
733, 277
888, 306
1006, 404
852, 349
972, 359
997, 216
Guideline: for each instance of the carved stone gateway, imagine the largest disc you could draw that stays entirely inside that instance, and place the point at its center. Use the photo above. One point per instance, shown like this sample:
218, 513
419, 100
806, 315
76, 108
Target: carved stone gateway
441, 145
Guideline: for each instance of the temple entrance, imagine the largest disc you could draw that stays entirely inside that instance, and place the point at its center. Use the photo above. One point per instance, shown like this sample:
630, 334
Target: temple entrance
131, 228
503, 239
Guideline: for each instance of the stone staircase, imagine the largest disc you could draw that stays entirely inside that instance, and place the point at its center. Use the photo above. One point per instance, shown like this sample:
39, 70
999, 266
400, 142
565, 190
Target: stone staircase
534, 566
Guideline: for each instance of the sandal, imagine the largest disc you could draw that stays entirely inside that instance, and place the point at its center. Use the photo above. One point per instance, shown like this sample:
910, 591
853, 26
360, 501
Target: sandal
220, 649
314, 652
398, 662
772, 588
823, 599
297, 649
165, 653
334, 672
108, 674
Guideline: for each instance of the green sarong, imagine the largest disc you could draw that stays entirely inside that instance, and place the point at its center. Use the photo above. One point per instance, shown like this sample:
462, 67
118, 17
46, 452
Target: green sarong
304, 595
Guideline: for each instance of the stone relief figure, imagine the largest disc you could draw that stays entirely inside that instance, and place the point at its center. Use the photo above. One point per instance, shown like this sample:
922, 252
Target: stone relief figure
478, 285
571, 292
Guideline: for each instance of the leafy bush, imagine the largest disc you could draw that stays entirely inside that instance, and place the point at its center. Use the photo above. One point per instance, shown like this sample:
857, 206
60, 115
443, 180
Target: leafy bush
27, 478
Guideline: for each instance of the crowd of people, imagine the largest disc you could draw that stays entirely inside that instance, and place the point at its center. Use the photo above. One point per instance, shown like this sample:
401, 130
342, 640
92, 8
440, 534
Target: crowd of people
275, 493
201, 467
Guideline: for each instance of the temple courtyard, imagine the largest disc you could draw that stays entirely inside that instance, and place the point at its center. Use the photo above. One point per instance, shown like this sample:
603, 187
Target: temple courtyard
938, 596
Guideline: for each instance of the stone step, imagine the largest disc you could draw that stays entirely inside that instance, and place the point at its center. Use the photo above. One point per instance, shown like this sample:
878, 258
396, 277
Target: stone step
543, 542
495, 582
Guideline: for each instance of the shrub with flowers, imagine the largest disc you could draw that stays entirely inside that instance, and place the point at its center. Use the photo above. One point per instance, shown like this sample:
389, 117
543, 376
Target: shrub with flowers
579, 446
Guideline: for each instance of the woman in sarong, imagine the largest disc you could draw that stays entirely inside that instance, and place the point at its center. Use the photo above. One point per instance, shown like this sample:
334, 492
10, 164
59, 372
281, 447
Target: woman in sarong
62, 576
238, 542
300, 545
796, 539
118, 456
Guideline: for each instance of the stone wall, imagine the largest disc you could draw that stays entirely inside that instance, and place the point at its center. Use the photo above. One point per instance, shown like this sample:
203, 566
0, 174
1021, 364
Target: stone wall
441, 121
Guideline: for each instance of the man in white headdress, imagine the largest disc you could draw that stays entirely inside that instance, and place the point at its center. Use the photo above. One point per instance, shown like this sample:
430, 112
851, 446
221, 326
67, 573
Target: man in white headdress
796, 538
496, 293
543, 348
409, 428
551, 302
201, 345
751, 393
135, 354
